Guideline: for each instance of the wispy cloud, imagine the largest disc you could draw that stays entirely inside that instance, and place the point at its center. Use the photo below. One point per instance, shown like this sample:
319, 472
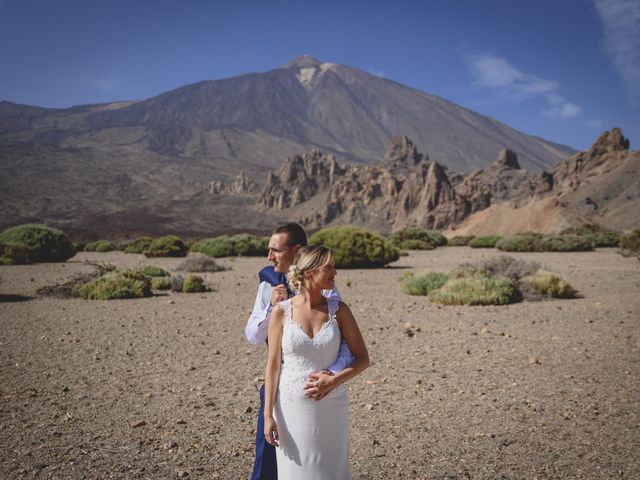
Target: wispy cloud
498, 75
107, 84
596, 124
621, 38
378, 73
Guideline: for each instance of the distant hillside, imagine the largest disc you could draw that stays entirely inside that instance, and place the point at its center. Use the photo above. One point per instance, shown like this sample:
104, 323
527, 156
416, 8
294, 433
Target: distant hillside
158, 160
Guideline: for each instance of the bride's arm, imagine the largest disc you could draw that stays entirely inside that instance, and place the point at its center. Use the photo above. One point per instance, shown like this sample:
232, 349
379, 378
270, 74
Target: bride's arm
272, 374
351, 333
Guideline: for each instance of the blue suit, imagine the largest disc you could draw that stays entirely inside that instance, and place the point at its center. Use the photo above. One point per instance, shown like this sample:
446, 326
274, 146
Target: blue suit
265, 467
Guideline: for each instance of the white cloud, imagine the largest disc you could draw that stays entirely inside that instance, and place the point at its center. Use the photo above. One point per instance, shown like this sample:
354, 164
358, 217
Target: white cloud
377, 73
596, 124
621, 38
497, 74
107, 84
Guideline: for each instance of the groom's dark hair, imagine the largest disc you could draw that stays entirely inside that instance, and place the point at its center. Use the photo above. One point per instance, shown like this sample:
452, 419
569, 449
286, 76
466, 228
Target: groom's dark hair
295, 233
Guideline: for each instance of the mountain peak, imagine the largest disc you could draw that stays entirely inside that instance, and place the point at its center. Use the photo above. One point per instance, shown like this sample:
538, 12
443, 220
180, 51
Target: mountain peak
303, 61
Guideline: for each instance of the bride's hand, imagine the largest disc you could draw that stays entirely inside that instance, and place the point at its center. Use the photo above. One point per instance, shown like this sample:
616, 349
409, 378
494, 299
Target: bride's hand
319, 384
271, 431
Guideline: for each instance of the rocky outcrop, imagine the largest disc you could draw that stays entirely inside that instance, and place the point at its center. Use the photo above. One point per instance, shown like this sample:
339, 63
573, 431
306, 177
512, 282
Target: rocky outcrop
241, 185
407, 189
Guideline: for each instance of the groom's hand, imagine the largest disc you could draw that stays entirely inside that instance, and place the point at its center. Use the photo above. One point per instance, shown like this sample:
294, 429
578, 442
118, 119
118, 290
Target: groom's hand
319, 384
278, 294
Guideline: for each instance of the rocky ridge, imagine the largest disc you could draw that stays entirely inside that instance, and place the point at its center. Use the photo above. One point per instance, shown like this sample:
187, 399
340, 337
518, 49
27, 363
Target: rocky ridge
409, 189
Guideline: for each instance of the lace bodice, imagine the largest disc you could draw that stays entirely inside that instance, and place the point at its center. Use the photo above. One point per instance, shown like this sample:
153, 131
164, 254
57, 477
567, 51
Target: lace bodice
303, 355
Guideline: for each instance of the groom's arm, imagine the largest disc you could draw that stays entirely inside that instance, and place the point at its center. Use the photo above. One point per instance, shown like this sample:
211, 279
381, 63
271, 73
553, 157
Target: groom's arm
345, 357
257, 327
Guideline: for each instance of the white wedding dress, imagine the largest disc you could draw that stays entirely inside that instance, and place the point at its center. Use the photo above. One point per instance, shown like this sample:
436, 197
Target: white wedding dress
314, 435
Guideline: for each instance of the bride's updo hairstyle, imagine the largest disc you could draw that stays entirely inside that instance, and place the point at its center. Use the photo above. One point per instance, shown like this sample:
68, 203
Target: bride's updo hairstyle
306, 260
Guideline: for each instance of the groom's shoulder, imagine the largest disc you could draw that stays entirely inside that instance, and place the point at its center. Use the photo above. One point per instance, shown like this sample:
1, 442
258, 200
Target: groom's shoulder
269, 275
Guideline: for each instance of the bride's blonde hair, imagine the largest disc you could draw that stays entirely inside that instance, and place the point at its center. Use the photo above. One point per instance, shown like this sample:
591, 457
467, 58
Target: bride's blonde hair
307, 259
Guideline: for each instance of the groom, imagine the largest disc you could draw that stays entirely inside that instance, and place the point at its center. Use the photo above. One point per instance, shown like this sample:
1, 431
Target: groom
284, 243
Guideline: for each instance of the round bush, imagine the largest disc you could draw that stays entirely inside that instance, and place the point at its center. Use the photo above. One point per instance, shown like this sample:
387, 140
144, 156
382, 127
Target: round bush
139, 245
118, 284
487, 241
422, 284
355, 247
414, 238
524, 242
193, 283
598, 235
459, 240
161, 283
473, 290
197, 262
169, 246
35, 243
549, 285
100, 246
153, 271
630, 242
7, 261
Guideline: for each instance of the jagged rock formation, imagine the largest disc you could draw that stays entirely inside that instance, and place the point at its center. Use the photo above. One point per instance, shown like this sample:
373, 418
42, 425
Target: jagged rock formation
240, 185
408, 189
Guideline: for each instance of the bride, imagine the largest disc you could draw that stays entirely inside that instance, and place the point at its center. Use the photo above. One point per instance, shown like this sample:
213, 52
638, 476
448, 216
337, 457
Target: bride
310, 424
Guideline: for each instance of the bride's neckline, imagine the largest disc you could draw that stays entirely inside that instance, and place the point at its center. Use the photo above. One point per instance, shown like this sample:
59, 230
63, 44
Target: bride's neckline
322, 326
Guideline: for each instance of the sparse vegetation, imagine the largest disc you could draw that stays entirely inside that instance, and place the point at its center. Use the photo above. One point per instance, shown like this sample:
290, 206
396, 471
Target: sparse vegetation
100, 246
598, 235
79, 246
153, 271
534, 242
225, 246
118, 284
168, 246
474, 290
139, 245
33, 243
487, 241
161, 283
630, 243
356, 247
193, 284
196, 262
548, 284
422, 284
414, 238
494, 282
459, 240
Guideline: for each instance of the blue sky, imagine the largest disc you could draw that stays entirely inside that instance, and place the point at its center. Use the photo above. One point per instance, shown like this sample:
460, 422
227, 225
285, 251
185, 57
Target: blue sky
564, 70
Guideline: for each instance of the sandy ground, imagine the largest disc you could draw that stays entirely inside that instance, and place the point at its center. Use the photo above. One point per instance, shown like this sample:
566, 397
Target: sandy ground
167, 387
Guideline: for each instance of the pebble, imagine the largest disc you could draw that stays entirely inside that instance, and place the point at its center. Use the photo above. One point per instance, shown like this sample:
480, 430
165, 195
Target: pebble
182, 474
139, 423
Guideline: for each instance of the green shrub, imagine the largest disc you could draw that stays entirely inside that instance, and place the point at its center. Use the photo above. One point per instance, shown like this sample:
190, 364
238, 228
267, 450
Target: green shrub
169, 246
225, 246
356, 247
630, 243
534, 242
422, 284
35, 243
549, 285
139, 245
523, 242
117, 284
459, 240
565, 243
7, 261
193, 283
79, 246
161, 283
153, 271
414, 238
487, 241
100, 246
473, 290
598, 235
